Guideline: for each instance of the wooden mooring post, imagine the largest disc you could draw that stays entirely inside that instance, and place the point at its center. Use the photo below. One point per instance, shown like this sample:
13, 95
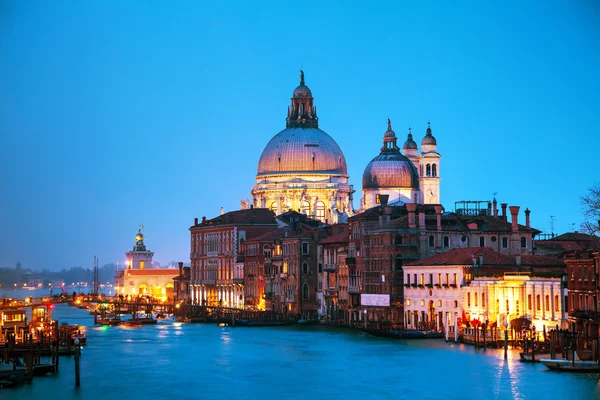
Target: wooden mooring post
76, 357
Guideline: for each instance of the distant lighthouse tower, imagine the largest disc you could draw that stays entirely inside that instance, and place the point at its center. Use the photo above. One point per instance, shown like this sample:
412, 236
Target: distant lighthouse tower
139, 257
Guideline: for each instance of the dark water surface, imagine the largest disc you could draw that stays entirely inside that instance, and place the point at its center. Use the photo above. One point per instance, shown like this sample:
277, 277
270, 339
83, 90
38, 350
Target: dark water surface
197, 361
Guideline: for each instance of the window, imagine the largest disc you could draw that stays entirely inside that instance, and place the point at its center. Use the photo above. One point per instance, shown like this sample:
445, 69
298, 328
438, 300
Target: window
446, 241
320, 215
422, 302
305, 268
454, 279
517, 305
408, 302
556, 308
507, 307
572, 302
408, 317
440, 279
431, 241
267, 251
320, 267
504, 243
304, 247
455, 303
431, 279
434, 170
422, 279
523, 242
475, 297
428, 170
320, 285
305, 291
481, 241
537, 302
529, 302
305, 208
274, 207
408, 279
468, 299
415, 276
482, 299
547, 303
439, 303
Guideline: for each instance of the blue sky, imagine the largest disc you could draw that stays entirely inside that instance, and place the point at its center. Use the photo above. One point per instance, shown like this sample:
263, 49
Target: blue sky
115, 114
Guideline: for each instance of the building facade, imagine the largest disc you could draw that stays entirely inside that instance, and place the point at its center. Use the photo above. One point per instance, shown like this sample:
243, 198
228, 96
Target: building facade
140, 278
583, 284
217, 275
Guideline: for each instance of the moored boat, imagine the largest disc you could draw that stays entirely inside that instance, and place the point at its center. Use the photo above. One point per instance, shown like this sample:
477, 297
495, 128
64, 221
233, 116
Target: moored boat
535, 357
571, 365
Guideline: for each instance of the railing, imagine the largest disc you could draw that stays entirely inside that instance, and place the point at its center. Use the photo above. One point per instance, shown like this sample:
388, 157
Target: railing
331, 292
239, 281
354, 289
329, 267
283, 275
585, 314
208, 281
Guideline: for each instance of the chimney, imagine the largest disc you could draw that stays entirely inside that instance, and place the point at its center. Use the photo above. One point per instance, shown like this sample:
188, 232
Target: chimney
195, 221
527, 211
489, 211
388, 213
495, 202
251, 206
222, 211
203, 219
411, 207
518, 260
180, 263
422, 217
504, 205
514, 212
438, 214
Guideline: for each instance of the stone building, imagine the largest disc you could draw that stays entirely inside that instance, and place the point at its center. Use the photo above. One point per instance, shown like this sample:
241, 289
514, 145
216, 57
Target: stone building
583, 297
302, 168
140, 278
217, 276
332, 291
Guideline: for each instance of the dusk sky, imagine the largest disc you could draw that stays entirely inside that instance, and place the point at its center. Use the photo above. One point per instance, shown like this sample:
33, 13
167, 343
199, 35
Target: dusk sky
120, 113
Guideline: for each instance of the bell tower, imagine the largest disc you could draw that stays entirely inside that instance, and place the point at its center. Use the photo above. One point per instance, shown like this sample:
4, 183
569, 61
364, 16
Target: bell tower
429, 169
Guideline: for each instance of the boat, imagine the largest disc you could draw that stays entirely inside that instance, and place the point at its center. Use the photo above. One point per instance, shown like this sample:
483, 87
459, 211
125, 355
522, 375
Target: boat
144, 321
404, 334
110, 321
136, 324
75, 331
535, 357
571, 365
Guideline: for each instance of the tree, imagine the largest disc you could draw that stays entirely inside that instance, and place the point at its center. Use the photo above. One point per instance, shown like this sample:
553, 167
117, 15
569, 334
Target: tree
591, 207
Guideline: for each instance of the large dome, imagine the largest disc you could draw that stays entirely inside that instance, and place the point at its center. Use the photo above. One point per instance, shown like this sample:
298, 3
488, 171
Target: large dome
304, 151
390, 170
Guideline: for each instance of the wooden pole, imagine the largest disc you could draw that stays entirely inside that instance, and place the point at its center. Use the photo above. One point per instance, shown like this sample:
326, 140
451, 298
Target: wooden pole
505, 343
77, 354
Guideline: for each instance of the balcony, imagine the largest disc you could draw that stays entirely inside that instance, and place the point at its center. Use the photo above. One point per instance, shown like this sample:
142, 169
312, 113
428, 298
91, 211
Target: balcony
329, 267
238, 281
208, 281
585, 314
283, 275
354, 289
331, 292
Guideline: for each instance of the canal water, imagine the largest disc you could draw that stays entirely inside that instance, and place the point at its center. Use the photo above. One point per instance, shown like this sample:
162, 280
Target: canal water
198, 361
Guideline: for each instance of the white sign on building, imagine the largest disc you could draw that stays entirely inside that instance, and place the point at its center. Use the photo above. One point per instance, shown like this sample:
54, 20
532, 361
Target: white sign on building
375, 300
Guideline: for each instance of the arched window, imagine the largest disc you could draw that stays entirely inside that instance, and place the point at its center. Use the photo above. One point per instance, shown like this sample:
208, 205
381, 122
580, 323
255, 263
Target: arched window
547, 303
446, 241
274, 207
305, 291
431, 241
434, 170
320, 211
428, 170
504, 243
305, 208
523, 242
481, 241
305, 269
482, 299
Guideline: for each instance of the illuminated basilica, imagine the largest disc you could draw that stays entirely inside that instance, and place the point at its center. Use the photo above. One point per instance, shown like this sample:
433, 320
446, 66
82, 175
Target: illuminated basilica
303, 169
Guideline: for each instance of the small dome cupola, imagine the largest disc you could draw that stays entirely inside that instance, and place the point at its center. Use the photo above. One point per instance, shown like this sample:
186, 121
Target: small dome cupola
139, 240
389, 140
410, 144
428, 139
302, 113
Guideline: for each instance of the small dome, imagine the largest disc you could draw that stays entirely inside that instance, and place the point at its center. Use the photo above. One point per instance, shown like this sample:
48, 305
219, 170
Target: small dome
428, 140
139, 237
390, 170
410, 144
302, 91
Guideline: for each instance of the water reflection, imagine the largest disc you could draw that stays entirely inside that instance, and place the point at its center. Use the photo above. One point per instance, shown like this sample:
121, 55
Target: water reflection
205, 361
